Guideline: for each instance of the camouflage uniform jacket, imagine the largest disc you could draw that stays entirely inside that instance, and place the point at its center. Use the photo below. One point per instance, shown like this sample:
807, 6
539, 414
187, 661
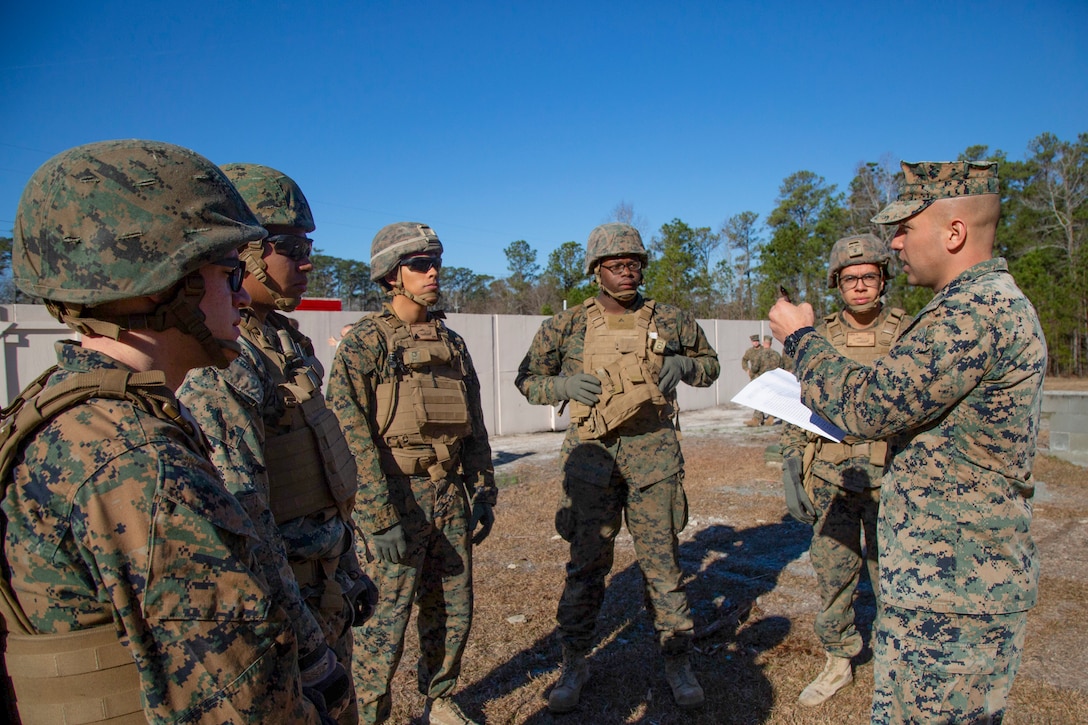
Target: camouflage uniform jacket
644, 454
766, 359
232, 407
748, 361
113, 515
856, 473
362, 362
962, 388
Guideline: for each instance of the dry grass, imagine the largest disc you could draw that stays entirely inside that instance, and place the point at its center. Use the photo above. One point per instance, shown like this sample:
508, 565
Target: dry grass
750, 585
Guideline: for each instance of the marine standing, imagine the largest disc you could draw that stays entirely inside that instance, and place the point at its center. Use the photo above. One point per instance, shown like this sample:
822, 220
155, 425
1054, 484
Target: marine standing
617, 360
280, 449
961, 391
132, 589
405, 390
836, 486
764, 360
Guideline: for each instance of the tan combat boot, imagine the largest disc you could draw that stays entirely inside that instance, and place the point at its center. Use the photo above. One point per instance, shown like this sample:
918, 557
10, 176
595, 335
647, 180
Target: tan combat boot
568, 690
686, 690
444, 711
752, 422
836, 675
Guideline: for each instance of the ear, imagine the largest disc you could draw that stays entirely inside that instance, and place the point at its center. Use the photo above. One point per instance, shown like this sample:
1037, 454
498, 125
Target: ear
955, 235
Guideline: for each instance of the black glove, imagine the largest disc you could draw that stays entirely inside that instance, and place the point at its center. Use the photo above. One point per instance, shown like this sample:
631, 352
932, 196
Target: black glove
673, 370
363, 596
325, 683
797, 500
390, 545
583, 387
484, 517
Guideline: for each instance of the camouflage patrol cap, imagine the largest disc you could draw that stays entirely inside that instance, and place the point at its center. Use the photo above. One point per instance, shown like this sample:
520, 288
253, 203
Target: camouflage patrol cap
856, 249
613, 240
272, 195
394, 242
114, 220
754, 338
924, 182
767, 338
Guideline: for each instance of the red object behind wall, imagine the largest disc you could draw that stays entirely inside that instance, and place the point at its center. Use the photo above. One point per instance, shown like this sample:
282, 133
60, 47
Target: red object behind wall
320, 304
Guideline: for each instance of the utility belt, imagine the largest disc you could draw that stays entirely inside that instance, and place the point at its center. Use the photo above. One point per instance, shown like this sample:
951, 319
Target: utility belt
836, 453
75, 678
435, 461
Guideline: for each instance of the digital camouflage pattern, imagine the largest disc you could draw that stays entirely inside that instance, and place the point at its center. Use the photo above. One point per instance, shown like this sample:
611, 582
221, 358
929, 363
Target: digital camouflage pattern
114, 516
925, 182
613, 240
393, 242
120, 219
961, 392
938, 667
636, 470
273, 196
437, 572
846, 494
239, 409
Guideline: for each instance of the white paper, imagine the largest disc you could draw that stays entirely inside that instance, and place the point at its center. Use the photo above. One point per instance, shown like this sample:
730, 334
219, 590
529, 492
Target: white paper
778, 393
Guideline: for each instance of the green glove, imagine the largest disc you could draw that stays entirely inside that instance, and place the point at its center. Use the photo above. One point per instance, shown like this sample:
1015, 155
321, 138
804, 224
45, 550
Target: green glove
797, 500
583, 387
390, 546
484, 517
673, 370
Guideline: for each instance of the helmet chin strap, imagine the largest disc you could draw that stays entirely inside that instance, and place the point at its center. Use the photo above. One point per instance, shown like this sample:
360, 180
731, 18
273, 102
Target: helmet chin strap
181, 310
252, 255
427, 299
624, 296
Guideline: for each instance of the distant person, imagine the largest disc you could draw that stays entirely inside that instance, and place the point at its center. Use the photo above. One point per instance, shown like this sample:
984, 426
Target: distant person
405, 390
747, 361
127, 566
836, 486
334, 342
764, 360
617, 359
961, 392
281, 450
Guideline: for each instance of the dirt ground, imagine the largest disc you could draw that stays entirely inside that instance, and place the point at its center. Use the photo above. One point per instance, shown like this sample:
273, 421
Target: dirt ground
751, 587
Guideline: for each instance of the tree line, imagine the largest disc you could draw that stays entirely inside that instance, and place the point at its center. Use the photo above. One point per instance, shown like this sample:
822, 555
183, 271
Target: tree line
734, 271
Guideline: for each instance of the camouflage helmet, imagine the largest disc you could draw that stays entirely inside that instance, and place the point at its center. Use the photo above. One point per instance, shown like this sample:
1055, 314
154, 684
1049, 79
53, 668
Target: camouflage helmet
613, 240
857, 249
272, 195
115, 220
394, 242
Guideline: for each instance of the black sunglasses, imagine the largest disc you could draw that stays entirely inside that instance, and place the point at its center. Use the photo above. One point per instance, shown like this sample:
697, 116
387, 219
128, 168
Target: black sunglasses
422, 265
237, 272
292, 246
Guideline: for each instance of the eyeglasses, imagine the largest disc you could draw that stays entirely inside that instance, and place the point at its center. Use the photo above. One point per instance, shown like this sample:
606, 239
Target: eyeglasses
849, 281
422, 265
632, 266
237, 272
292, 246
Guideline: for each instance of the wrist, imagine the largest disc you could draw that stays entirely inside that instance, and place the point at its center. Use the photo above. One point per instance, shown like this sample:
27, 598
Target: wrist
789, 346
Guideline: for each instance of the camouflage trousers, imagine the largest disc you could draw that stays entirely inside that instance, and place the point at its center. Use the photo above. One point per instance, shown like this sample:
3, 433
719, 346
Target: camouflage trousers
436, 574
333, 613
589, 518
935, 667
837, 555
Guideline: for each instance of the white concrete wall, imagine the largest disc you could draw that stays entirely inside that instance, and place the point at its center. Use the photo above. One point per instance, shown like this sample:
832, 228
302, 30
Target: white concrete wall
497, 344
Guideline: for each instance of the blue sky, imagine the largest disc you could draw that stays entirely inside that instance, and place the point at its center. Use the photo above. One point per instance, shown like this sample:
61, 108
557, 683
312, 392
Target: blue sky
502, 121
